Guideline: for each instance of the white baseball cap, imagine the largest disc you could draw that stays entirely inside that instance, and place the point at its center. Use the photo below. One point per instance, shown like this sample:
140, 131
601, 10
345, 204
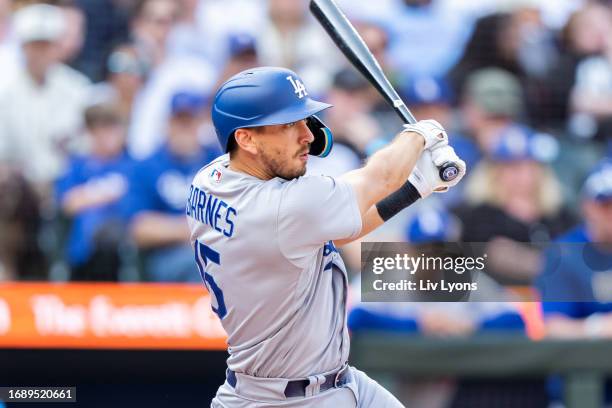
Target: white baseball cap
38, 22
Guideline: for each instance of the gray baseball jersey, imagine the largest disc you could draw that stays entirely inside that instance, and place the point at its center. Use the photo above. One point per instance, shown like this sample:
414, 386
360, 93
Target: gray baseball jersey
265, 252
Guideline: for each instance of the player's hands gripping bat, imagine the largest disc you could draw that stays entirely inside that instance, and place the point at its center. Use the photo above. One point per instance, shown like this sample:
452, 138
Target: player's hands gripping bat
354, 48
425, 177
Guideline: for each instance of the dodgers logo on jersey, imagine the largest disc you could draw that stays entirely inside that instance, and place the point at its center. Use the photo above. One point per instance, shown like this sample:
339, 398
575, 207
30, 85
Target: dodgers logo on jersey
298, 87
215, 176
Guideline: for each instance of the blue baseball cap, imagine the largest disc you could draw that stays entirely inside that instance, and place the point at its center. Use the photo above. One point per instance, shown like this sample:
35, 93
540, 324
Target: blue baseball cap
242, 43
426, 91
188, 102
432, 225
519, 142
598, 185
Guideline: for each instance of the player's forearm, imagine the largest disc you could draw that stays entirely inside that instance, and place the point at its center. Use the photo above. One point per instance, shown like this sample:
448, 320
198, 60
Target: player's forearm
386, 171
392, 165
385, 209
389, 206
153, 229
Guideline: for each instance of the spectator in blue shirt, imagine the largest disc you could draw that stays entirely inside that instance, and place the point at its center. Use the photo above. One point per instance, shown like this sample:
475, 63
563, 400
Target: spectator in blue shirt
90, 195
575, 271
574, 282
159, 189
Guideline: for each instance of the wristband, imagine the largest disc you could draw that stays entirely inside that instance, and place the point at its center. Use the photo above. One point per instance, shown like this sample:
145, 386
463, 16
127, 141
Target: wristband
389, 206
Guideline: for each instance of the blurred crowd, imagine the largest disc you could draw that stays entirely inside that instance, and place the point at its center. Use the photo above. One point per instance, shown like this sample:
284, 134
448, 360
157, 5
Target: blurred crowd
105, 119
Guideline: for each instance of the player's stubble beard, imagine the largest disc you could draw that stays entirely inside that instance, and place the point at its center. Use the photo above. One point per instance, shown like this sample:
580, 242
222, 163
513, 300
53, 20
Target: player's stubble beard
279, 167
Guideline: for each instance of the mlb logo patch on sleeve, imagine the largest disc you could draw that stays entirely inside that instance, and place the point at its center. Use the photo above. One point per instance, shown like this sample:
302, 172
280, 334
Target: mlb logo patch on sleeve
215, 175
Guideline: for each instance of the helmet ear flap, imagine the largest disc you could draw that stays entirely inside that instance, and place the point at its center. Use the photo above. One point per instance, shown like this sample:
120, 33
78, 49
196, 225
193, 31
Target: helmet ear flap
323, 138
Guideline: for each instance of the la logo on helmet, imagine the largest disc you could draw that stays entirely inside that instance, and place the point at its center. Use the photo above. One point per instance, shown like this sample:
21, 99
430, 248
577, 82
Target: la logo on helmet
298, 87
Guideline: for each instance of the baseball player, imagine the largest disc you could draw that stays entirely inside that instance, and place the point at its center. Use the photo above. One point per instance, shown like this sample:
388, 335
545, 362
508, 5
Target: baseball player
265, 239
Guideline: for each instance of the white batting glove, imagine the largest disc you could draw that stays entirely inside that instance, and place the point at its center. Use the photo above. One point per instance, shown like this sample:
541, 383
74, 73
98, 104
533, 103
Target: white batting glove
431, 130
441, 155
425, 176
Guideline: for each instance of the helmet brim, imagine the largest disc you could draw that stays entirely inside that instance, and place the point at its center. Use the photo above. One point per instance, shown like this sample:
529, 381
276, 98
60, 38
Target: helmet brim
291, 114
323, 138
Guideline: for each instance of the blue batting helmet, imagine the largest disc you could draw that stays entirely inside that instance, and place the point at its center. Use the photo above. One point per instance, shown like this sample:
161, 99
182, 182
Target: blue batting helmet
268, 96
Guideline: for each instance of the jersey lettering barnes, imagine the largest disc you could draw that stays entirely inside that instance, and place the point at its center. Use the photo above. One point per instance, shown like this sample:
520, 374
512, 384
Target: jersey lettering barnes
211, 210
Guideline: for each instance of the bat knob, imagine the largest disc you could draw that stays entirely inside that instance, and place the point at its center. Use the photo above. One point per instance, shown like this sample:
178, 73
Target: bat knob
449, 171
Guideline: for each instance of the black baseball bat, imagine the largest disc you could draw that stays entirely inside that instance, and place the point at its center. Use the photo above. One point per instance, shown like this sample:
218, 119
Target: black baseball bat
354, 48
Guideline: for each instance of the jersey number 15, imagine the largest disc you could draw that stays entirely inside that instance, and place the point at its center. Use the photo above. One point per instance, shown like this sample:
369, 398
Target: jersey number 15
207, 254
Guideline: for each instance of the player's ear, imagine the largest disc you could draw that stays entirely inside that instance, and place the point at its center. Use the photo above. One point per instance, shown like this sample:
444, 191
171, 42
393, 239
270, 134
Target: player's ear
245, 140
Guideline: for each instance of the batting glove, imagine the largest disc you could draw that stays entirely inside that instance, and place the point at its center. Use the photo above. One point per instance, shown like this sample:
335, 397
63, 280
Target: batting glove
425, 176
432, 131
